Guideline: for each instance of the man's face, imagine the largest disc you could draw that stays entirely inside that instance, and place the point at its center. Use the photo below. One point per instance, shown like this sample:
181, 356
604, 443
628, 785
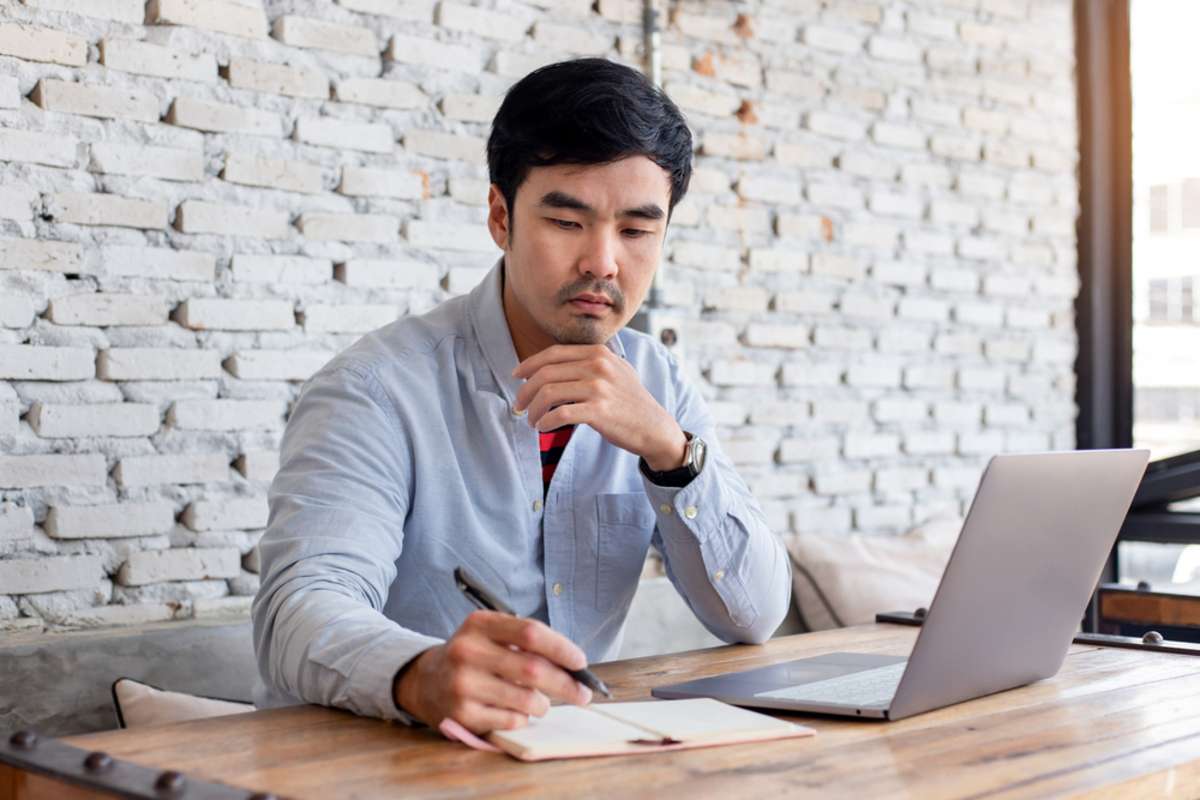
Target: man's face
581, 256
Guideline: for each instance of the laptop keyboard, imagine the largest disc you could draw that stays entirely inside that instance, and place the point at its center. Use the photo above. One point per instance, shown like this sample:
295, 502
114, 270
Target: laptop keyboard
871, 687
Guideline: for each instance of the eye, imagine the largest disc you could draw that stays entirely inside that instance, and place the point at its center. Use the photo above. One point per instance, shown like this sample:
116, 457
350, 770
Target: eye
565, 224
636, 233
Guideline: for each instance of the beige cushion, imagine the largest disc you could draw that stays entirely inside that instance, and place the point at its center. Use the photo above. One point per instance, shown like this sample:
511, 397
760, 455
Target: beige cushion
846, 579
139, 704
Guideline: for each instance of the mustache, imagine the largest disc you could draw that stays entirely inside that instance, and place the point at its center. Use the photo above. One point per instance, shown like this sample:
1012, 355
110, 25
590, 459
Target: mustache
606, 288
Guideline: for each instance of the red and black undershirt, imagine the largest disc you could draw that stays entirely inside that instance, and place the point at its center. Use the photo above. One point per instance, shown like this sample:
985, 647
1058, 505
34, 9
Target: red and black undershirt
552, 444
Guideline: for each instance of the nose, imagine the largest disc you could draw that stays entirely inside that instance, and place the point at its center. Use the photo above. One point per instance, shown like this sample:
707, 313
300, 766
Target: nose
599, 258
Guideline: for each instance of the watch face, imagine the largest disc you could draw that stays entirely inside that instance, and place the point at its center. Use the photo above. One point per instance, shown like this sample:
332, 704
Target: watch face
699, 450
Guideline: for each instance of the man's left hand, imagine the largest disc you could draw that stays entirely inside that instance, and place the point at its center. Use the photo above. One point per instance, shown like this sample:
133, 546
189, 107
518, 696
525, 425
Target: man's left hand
580, 384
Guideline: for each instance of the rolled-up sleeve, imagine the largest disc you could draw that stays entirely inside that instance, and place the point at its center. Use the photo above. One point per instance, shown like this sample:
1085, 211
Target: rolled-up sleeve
328, 556
717, 548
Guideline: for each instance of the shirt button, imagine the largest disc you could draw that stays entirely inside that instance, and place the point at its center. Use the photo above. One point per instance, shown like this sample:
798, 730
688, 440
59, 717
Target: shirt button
690, 512
718, 575
557, 589
665, 508
537, 505
516, 413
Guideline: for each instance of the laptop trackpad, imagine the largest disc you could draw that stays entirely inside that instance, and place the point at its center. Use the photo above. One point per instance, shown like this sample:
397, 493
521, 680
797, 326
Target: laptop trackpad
777, 676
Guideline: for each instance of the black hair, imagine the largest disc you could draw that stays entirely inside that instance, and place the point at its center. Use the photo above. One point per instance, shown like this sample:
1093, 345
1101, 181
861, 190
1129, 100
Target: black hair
586, 111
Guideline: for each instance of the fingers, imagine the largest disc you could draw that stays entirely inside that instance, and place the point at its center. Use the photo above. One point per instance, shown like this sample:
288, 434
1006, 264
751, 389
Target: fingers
529, 635
560, 353
557, 394
538, 674
546, 376
481, 718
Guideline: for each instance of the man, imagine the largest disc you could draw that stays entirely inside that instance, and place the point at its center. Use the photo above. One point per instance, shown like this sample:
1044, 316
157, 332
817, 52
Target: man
520, 432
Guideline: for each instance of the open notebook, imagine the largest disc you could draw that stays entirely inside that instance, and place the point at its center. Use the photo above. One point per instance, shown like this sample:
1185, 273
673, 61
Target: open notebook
632, 728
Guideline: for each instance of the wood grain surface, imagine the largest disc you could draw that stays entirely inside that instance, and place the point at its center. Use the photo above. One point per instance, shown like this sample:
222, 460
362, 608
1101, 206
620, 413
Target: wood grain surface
1112, 723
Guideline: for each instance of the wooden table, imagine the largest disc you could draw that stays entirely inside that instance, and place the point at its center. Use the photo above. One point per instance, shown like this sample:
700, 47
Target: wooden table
1114, 722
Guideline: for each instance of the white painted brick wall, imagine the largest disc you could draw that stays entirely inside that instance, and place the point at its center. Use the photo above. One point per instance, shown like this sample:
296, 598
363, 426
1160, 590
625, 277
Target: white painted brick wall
879, 190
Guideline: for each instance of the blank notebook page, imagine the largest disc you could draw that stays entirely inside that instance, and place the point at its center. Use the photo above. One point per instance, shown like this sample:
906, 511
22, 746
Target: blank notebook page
567, 728
693, 720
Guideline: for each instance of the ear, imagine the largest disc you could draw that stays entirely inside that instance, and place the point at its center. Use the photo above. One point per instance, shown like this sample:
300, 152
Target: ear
498, 218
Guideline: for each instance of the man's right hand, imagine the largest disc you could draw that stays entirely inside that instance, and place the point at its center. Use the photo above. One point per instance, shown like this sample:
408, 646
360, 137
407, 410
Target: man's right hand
493, 674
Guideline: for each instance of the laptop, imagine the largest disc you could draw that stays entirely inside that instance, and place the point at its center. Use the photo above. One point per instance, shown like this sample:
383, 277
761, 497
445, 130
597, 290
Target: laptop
1009, 603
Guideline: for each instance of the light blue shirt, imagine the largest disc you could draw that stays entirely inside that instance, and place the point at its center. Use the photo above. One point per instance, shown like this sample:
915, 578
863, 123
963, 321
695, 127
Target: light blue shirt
403, 459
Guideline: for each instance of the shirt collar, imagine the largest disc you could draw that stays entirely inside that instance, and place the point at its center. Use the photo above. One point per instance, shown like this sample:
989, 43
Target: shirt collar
485, 306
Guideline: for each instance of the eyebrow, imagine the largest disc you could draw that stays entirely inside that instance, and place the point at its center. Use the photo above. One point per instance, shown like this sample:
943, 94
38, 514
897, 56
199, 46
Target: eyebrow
556, 199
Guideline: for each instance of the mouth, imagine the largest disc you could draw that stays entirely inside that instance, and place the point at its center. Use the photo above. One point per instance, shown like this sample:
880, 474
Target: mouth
591, 303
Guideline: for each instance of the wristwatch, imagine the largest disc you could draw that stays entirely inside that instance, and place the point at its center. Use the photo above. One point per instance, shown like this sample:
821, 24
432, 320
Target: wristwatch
693, 462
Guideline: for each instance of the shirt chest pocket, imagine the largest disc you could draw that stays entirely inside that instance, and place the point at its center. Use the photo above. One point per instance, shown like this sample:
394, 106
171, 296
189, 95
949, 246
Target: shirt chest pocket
624, 526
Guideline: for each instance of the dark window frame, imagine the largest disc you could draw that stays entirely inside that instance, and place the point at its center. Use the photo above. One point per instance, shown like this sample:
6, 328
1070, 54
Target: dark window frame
1104, 310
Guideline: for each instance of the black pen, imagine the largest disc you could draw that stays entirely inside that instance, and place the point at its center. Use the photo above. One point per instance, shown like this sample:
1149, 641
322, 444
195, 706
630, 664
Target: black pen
485, 600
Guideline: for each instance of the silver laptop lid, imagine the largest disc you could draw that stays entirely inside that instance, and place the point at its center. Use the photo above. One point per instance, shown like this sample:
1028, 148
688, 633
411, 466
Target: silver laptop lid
1017, 583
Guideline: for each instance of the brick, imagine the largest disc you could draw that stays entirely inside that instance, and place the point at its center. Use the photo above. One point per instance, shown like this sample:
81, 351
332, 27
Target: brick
179, 564
326, 318
17, 312
364, 181
895, 204
25, 362
388, 273
470, 107
372, 137
769, 190
321, 35
381, 92
453, 146
812, 227
59, 421
876, 234
960, 148
224, 16
129, 11
414, 10
835, 265
923, 308
925, 175
929, 443
157, 364
258, 465
143, 58
836, 126
42, 44
460, 280
349, 227
789, 336
842, 481
737, 298
839, 337
795, 84
17, 202
281, 269
449, 236
38, 147
276, 365
226, 415
187, 112
777, 260
16, 522
783, 412
739, 146
110, 521
887, 48
211, 313
135, 471
95, 101
873, 376
900, 410
158, 262
273, 173
141, 160
10, 92
807, 302
427, 53
42, 255
104, 309
31, 472
811, 374
832, 39
470, 191
571, 39
840, 412
953, 279
88, 208
50, 574
260, 76
744, 220
705, 256
701, 101
741, 373
198, 216
226, 513
480, 22
804, 154
893, 134
835, 195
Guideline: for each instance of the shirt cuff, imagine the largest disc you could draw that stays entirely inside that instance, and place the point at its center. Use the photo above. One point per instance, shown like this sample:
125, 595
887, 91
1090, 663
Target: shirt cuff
375, 674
